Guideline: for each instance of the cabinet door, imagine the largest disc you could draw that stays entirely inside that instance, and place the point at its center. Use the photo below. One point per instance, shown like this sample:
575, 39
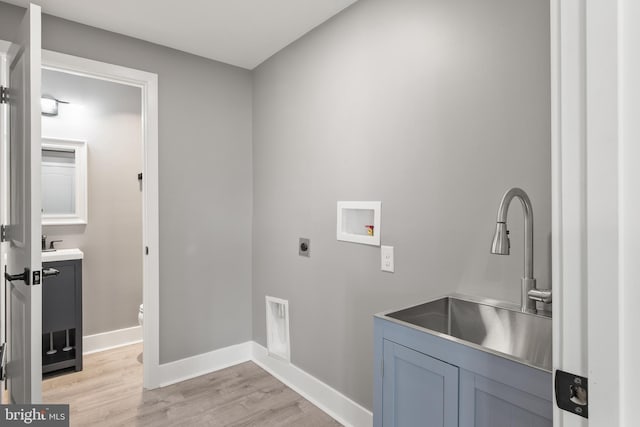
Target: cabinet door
59, 297
418, 390
488, 403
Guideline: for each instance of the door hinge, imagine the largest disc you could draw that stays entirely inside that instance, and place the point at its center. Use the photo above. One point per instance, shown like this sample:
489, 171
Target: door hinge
140, 176
146, 250
382, 369
3, 233
4, 95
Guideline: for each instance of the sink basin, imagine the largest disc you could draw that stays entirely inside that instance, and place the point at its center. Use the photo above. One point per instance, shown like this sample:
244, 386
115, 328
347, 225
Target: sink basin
62, 255
496, 328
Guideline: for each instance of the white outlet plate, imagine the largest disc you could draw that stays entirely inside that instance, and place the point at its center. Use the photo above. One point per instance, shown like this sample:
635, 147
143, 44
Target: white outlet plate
386, 259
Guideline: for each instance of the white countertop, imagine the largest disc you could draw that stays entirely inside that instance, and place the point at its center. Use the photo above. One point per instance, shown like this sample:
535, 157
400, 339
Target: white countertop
62, 255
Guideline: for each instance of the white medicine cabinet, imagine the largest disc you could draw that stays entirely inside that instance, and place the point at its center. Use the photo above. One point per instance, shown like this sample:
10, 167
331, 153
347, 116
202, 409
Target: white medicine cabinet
64, 181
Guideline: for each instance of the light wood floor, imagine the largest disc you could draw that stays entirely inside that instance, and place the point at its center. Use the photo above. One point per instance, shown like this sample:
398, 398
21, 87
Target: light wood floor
108, 392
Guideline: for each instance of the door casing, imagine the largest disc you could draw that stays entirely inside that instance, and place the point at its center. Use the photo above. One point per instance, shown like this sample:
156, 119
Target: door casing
148, 84
595, 77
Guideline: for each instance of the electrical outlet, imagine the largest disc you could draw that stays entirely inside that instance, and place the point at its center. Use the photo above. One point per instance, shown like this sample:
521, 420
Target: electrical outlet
304, 247
386, 258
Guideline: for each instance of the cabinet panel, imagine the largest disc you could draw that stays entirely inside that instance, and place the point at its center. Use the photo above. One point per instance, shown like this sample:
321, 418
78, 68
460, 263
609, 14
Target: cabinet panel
59, 298
488, 403
62, 316
418, 390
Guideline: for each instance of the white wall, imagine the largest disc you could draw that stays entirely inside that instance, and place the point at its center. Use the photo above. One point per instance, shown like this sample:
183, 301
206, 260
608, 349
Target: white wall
107, 116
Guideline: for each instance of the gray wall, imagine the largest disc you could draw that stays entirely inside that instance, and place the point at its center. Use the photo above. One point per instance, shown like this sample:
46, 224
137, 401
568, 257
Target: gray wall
434, 107
205, 182
107, 116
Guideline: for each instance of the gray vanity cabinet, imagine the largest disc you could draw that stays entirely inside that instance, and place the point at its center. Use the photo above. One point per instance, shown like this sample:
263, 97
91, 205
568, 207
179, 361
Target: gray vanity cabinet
62, 312
425, 380
416, 388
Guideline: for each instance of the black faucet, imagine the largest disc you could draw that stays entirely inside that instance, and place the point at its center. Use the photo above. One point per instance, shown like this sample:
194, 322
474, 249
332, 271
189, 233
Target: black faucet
51, 244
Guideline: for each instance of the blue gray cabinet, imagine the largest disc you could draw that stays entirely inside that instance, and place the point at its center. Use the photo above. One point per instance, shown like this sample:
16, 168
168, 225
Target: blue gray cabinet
416, 388
423, 379
62, 312
488, 403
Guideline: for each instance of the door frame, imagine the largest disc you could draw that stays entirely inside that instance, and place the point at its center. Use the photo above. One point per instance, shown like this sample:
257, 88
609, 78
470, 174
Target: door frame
148, 83
596, 204
568, 194
4, 173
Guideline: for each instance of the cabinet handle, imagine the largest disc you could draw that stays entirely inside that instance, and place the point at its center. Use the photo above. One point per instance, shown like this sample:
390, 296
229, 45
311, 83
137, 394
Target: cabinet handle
47, 272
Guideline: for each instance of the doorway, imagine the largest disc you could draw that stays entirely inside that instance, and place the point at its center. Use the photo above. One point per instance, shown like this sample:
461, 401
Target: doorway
146, 84
91, 218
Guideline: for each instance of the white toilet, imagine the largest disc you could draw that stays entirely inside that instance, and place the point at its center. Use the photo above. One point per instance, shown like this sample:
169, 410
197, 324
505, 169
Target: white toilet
140, 314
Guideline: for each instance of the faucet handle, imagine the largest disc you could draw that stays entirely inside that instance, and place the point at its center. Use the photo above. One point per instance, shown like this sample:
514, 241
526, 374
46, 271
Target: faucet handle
542, 295
52, 243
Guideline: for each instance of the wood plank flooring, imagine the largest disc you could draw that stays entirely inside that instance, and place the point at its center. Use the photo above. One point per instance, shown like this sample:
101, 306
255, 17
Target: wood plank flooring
108, 392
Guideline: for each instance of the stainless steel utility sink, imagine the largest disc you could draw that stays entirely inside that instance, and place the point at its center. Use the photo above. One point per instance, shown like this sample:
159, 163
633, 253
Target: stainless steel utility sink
489, 326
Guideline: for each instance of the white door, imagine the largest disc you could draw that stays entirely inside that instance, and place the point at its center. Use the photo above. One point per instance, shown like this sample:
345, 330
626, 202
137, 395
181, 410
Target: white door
24, 293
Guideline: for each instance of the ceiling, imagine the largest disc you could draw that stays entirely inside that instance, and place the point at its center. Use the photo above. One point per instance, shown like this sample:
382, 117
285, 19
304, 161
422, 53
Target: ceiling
238, 32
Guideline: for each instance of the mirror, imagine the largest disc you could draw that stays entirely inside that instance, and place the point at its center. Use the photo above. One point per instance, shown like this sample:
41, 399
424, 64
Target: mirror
64, 181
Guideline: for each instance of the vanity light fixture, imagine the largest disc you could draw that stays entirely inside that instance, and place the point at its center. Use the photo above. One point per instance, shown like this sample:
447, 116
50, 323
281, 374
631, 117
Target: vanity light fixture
49, 105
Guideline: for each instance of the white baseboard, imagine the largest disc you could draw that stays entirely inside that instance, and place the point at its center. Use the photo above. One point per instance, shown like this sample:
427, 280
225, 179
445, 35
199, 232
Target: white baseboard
191, 367
111, 339
331, 401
